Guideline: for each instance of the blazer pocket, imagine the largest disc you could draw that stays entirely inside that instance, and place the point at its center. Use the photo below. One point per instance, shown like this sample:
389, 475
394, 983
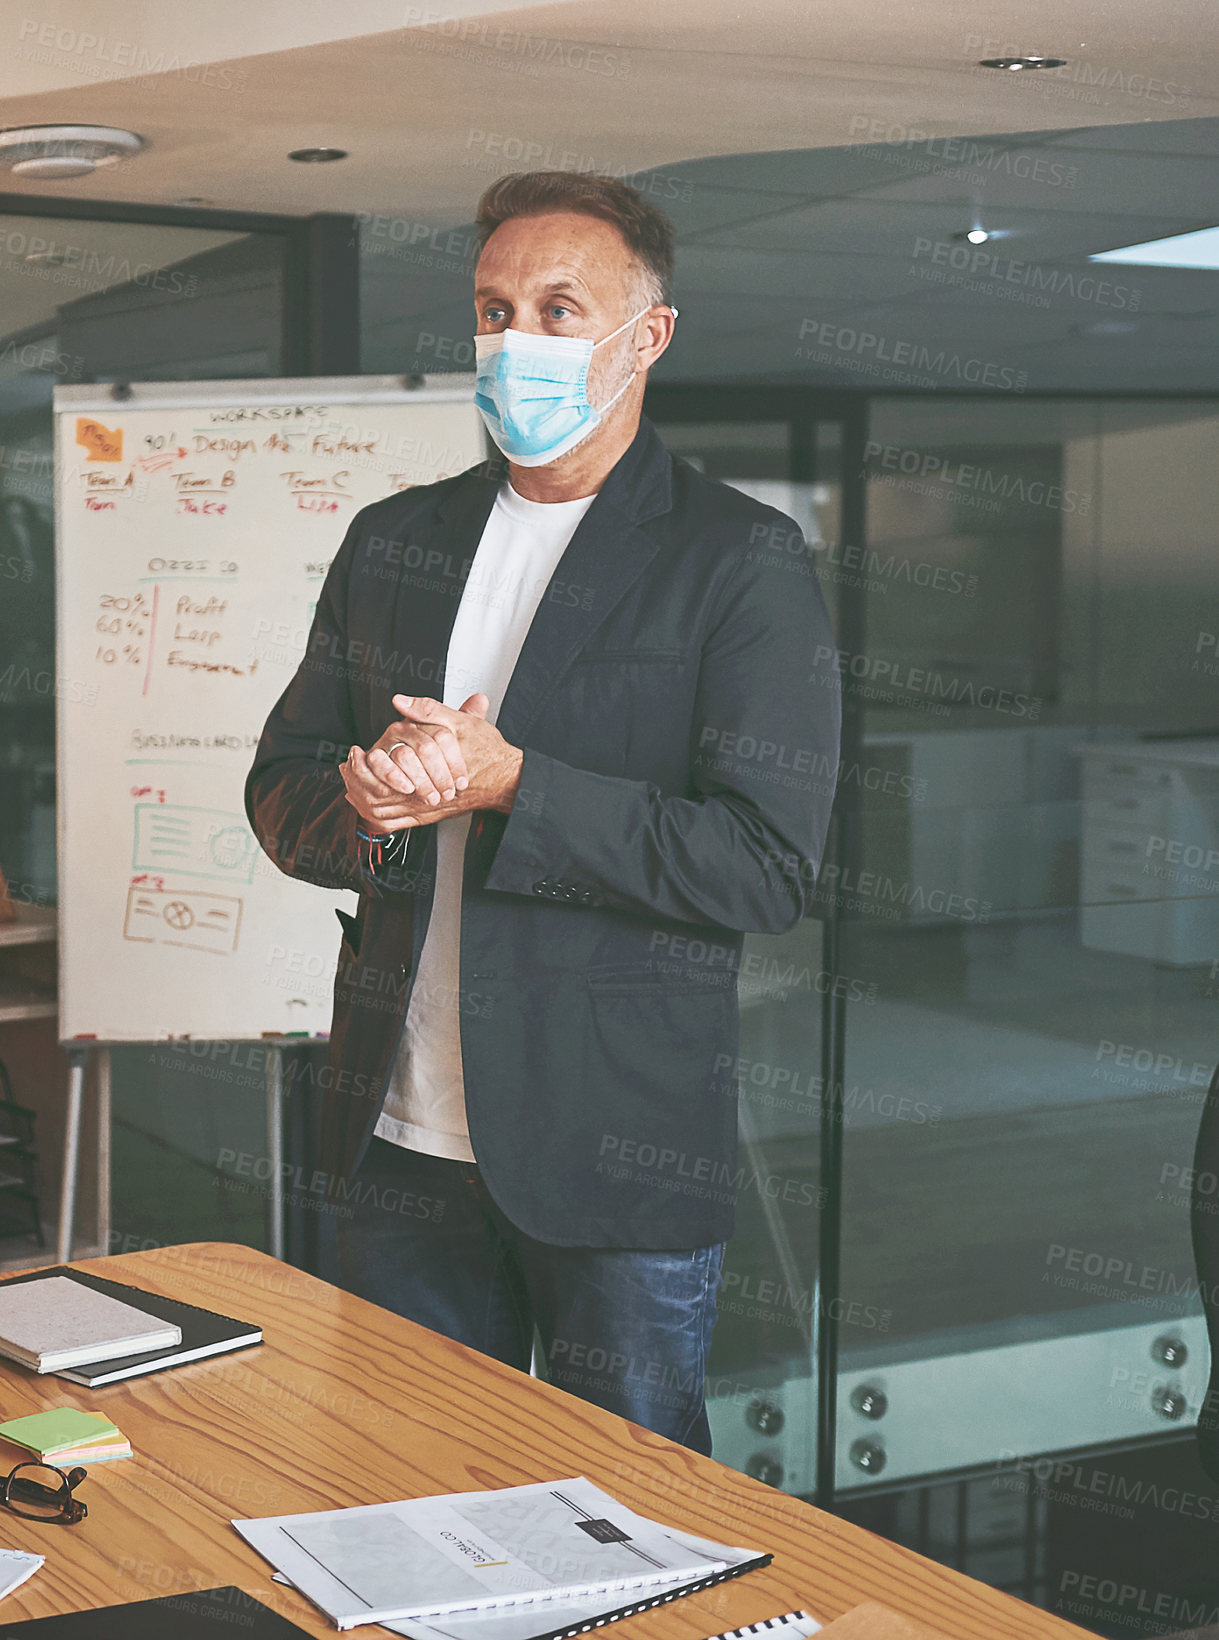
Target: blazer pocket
353, 928
669, 657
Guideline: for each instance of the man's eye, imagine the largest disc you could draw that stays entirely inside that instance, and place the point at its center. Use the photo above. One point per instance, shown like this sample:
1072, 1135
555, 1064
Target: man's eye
558, 310
493, 315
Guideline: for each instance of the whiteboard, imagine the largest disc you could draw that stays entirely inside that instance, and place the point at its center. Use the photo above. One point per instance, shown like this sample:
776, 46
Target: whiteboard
194, 524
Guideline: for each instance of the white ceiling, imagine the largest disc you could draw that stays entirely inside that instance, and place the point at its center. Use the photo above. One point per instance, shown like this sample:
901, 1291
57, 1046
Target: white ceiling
761, 131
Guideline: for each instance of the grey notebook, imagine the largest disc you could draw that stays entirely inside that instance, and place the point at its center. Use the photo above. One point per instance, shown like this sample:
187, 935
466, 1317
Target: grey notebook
52, 1324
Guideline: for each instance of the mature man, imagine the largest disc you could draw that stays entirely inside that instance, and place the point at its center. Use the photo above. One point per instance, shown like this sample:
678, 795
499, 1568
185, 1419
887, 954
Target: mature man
557, 854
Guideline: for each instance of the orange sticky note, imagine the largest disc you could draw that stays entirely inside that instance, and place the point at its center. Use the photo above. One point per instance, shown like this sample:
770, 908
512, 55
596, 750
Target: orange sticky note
103, 443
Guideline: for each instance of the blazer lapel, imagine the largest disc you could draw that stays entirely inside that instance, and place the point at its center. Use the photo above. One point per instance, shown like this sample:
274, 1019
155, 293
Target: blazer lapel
607, 552
435, 559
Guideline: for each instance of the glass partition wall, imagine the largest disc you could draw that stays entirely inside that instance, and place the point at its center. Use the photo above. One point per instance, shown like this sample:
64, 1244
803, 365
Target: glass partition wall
1043, 669
960, 1304
1020, 927
89, 299
774, 1315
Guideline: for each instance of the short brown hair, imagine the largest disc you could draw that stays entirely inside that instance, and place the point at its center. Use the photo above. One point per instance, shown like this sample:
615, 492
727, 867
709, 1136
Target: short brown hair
646, 230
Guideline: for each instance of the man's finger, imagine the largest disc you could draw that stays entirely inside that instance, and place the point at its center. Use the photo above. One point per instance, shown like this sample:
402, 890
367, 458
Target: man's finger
368, 778
389, 778
425, 763
399, 766
439, 723
423, 709
472, 708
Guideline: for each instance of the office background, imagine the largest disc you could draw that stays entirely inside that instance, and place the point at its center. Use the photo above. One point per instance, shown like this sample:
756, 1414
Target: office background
994, 1039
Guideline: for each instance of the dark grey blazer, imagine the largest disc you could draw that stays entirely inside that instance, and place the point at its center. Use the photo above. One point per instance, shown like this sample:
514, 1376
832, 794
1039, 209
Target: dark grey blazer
677, 699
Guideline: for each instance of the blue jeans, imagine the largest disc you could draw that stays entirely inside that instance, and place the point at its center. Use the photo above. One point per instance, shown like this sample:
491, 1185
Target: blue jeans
626, 1329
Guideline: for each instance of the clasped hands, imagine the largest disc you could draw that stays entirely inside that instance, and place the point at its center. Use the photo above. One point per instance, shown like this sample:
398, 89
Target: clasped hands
438, 761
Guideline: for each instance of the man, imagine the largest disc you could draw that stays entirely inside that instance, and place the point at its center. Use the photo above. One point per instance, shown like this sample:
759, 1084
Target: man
557, 854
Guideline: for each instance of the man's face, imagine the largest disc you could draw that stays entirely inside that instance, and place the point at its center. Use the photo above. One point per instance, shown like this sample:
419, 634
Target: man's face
562, 274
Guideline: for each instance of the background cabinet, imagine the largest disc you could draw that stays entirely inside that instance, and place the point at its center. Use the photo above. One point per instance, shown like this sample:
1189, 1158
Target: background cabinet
1150, 850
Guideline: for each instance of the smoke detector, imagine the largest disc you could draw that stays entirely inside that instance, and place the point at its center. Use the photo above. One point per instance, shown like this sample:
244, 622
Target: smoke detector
51, 151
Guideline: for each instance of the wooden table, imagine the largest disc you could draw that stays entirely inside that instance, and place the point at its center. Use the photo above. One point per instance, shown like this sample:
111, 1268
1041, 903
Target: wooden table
346, 1403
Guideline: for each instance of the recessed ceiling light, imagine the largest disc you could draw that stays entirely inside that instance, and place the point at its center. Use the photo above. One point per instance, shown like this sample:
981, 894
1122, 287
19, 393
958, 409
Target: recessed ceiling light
1199, 249
51, 151
194, 199
48, 259
317, 156
1023, 62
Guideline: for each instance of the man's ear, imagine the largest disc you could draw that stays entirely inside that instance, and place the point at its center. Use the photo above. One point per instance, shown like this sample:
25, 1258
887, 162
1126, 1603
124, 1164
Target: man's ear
660, 321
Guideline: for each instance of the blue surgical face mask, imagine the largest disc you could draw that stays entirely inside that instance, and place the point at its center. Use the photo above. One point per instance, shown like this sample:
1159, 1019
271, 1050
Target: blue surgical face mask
530, 391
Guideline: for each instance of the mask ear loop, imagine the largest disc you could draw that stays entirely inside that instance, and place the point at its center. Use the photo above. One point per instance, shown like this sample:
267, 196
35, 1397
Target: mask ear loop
602, 408
626, 322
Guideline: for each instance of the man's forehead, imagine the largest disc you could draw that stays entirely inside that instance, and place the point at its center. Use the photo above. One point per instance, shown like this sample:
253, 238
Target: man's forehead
562, 246
552, 274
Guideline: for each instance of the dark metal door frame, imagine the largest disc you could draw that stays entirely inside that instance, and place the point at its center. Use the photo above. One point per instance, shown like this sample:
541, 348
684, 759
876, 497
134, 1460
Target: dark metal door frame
320, 288
802, 409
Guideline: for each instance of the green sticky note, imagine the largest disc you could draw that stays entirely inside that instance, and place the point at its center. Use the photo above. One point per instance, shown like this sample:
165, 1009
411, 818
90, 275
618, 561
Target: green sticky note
57, 1430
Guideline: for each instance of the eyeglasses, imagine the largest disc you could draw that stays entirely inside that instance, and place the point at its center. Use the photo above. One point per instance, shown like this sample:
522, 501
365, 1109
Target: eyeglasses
46, 1494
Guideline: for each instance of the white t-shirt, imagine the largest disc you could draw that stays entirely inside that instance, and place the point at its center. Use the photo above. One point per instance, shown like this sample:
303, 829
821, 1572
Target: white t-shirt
521, 544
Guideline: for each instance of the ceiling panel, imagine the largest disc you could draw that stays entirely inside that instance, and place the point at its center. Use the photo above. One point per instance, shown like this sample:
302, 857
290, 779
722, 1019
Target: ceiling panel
812, 157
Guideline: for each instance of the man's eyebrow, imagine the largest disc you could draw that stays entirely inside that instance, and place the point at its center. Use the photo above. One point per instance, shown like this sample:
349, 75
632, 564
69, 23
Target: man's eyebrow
565, 282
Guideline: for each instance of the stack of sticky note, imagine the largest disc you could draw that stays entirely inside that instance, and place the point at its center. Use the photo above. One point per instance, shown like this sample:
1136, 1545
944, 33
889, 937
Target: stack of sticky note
65, 1435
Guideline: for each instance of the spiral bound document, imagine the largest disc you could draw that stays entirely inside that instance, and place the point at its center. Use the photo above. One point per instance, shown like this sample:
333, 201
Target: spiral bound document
564, 1619
537, 1562
789, 1626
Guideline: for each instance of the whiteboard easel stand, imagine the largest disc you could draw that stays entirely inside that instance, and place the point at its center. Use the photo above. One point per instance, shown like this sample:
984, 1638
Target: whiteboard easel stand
78, 1064
275, 1148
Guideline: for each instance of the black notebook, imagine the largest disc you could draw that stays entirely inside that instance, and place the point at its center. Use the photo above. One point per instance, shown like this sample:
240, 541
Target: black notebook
201, 1614
204, 1332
